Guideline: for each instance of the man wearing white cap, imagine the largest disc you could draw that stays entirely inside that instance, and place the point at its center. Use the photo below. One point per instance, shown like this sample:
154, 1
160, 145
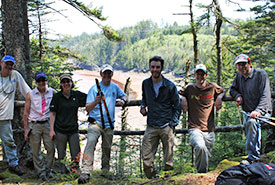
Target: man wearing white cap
251, 90
10, 80
199, 99
101, 126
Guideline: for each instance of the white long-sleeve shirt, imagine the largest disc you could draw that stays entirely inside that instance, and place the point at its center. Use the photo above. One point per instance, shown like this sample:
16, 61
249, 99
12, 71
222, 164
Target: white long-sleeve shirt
8, 86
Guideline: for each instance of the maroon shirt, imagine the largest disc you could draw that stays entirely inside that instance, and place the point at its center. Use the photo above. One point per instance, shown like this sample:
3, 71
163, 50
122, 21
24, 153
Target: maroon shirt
201, 105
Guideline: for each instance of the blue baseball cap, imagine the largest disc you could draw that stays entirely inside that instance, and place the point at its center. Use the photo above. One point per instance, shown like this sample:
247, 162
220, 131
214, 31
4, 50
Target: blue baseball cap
40, 75
7, 58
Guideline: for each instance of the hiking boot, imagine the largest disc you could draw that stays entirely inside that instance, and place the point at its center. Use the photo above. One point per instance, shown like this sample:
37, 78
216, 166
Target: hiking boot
17, 170
84, 178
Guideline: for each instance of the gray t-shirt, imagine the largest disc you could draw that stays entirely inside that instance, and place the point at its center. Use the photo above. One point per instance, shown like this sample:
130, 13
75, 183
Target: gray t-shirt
156, 87
8, 86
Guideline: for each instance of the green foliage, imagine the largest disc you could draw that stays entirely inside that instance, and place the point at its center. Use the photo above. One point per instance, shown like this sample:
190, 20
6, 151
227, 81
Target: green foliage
10, 177
271, 155
256, 38
111, 34
54, 61
96, 12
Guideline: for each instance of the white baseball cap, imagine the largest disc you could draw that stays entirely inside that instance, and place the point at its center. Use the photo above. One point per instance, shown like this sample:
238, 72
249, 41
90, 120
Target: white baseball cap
106, 67
201, 67
242, 58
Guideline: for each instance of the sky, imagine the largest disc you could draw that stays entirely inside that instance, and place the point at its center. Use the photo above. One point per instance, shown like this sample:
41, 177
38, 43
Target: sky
124, 13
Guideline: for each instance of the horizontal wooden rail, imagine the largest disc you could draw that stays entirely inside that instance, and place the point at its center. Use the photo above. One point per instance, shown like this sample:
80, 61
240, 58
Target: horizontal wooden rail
181, 131
233, 128
20, 103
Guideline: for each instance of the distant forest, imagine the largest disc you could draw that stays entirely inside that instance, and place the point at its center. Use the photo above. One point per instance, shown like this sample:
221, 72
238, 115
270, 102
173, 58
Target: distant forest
144, 40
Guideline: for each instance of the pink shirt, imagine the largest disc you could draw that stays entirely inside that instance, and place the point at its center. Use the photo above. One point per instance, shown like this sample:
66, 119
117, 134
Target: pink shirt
40, 108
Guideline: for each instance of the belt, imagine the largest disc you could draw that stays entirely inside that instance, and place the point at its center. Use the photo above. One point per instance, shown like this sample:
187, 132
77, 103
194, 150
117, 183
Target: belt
91, 120
40, 122
94, 122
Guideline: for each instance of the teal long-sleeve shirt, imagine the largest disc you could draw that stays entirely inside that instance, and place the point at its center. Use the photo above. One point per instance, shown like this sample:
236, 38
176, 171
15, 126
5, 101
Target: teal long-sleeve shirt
165, 108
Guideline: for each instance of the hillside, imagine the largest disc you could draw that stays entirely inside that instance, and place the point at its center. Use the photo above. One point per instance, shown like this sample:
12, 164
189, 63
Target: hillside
143, 41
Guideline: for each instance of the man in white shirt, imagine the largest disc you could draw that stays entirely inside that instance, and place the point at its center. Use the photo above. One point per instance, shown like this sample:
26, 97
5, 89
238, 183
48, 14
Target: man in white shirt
10, 80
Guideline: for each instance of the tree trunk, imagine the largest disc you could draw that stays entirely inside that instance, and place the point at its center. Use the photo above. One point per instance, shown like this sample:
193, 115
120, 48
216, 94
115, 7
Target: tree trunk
16, 43
194, 32
16, 34
218, 14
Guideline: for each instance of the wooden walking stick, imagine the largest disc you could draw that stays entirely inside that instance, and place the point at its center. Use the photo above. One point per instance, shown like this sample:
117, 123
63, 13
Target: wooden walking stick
104, 103
99, 92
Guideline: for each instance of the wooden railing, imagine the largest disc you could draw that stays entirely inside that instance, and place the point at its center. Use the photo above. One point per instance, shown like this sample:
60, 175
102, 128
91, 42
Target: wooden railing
178, 131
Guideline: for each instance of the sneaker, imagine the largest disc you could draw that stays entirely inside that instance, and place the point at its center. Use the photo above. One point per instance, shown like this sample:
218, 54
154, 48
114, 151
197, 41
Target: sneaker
84, 178
248, 161
17, 170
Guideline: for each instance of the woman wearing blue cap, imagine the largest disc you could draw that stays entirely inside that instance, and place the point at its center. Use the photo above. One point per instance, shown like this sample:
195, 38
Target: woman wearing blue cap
10, 80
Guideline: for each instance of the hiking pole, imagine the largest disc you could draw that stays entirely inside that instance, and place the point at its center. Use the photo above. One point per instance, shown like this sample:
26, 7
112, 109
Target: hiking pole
105, 106
260, 118
99, 92
267, 117
21, 149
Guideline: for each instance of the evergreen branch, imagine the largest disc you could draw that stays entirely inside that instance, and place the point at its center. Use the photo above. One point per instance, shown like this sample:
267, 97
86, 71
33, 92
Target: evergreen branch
85, 10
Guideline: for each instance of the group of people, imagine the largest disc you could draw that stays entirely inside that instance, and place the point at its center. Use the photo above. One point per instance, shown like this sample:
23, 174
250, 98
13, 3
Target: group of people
52, 116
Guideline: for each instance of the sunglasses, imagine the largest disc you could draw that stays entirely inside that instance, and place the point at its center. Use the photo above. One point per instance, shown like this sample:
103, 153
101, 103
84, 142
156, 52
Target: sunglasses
65, 81
9, 64
41, 80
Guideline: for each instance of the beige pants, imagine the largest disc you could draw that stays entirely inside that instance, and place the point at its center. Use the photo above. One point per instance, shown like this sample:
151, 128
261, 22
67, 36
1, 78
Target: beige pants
40, 131
150, 145
202, 143
94, 132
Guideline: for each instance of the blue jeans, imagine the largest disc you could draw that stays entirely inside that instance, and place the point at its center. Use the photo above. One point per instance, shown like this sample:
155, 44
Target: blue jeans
253, 138
8, 142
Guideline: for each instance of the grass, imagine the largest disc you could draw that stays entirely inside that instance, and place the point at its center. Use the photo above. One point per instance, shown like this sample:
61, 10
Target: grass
163, 178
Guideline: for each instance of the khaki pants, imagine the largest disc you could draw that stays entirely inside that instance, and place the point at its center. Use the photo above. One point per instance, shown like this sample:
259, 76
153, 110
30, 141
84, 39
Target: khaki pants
150, 145
94, 132
41, 131
202, 143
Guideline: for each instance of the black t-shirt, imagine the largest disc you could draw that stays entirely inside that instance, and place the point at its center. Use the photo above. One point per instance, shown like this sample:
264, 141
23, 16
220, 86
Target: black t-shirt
66, 111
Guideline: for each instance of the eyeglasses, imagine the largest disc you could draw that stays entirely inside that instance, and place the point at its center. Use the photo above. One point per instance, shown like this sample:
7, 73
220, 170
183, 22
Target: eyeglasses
8, 63
65, 81
241, 64
41, 80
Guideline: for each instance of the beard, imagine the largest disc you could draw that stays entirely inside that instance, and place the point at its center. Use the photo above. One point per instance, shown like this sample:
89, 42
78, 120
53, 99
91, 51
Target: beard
156, 74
